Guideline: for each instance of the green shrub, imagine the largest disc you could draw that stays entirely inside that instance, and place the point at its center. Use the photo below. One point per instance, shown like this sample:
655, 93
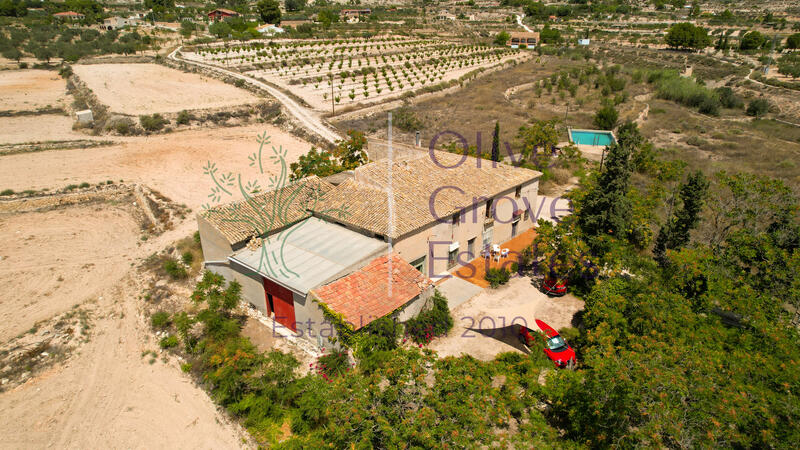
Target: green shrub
671, 86
186, 367
405, 119
758, 107
497, 277
160, 320
710, 106
174, 270
84, 185
6, 192
124, 126
332, 364
606, 118
184, 117
436, 321
728, 98
153, 122
379, 335
187, 257
168, 341
696, 141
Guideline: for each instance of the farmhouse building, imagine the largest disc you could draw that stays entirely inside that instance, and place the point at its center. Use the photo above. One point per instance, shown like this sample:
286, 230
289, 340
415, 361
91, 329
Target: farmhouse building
115, 23
69, 16
312, 248
221, 13
269, 29
519, 38
347, 13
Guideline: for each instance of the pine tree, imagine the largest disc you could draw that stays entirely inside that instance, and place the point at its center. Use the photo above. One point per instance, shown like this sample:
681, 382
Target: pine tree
496, 143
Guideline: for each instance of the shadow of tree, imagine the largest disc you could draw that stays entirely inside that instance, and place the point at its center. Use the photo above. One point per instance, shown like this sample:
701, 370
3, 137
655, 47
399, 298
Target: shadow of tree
508, 335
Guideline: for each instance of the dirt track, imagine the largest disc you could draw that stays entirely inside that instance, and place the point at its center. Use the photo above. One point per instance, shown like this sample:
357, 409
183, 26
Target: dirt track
306, 117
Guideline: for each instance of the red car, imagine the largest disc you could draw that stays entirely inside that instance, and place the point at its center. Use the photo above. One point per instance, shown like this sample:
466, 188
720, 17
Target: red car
554, 287
556, 348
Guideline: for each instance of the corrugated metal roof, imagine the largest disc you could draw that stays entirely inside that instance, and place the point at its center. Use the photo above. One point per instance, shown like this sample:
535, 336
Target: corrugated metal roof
309, 254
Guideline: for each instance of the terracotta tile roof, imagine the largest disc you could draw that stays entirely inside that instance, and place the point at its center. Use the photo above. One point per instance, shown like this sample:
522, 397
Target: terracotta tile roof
225, 11
363, 296
267, 212
414, 183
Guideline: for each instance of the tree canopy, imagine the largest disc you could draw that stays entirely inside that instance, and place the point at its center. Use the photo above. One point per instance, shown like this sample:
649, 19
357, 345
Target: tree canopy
688, 36
752, 41
269, 11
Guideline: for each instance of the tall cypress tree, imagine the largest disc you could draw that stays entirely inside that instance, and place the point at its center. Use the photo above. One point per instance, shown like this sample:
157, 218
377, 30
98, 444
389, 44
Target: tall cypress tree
674, 233
606, 209
496, 143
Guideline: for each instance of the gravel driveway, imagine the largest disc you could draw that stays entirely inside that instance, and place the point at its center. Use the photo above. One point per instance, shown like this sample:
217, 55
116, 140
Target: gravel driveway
488, 323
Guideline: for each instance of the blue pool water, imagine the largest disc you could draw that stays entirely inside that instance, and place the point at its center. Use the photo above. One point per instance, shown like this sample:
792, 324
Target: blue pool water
602, 138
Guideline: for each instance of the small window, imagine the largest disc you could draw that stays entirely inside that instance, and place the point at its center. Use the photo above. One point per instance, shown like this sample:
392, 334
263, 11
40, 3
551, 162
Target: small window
525, 215
456, 218
419, 264
488, 208
452, 258
518, 192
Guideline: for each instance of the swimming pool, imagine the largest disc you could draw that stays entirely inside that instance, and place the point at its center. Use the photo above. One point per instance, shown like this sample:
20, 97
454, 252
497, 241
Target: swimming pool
591, 137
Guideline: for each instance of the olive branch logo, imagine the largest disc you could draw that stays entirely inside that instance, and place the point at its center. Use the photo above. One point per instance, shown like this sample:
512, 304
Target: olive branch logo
266, 209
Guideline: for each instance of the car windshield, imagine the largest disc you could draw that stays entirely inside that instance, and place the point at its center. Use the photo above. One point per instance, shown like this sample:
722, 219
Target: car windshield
556, 343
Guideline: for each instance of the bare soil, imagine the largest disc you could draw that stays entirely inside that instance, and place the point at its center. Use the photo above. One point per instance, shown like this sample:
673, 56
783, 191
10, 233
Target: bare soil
151, 88
170, 163
37, 128
30, 90
53, 260
118, 391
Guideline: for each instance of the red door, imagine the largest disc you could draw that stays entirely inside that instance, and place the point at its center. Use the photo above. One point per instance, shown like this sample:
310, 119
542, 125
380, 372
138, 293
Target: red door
282, 303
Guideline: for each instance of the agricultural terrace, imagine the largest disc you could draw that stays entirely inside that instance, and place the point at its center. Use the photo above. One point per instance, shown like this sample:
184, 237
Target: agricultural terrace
152, 88
362, 71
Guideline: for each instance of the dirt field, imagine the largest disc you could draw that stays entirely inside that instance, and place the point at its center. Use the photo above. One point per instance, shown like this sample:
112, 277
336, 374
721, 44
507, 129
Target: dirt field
170, 163
29, 90
150, 88
55, 259
107, 394
488, 323
38, 128
111, 396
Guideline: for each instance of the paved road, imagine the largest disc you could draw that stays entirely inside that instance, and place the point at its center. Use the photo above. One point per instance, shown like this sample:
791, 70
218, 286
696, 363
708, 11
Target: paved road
305, 116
